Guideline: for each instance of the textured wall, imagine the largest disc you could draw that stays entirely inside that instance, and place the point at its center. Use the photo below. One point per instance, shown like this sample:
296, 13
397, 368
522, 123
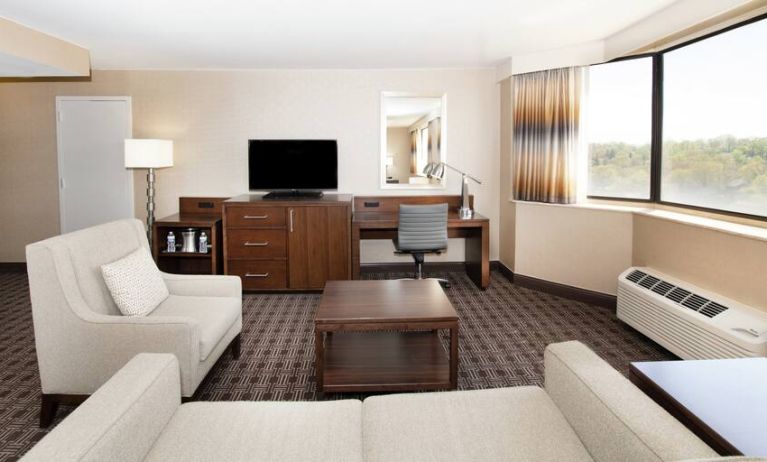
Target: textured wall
210, 115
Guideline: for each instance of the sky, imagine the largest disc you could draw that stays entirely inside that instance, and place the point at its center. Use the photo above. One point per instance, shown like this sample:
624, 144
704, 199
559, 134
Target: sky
712, 88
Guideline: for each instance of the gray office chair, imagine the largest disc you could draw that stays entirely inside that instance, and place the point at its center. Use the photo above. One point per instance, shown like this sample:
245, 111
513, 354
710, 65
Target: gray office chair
422, 229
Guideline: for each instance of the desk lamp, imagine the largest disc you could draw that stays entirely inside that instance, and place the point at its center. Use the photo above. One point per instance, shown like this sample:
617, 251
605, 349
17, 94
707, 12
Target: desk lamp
437, 170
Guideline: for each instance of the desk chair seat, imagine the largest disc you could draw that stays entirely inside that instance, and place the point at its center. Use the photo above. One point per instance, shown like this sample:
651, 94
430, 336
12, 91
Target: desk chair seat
422, 229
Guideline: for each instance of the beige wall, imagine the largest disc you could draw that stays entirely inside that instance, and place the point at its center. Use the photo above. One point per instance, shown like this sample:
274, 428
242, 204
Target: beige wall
398, 142
584, 248
734, 266
507, 210
210, 115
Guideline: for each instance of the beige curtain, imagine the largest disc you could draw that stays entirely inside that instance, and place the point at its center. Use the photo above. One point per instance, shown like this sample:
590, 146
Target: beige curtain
545, 139
414, 152
435, 140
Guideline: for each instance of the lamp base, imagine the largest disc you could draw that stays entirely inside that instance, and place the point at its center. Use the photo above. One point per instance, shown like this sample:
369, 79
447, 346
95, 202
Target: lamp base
465, 213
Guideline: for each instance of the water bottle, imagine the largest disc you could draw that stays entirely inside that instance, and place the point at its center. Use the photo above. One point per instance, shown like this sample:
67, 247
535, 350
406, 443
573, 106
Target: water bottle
203, 243
171, 247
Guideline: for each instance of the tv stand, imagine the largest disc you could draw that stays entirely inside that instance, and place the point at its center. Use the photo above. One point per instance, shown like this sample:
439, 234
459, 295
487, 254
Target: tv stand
296, 194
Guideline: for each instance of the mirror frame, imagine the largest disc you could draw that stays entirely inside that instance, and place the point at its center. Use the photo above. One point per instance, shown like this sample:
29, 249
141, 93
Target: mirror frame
383, 146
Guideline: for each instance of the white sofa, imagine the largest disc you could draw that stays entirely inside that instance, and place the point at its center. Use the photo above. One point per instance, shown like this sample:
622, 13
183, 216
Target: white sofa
587, 412
81, 337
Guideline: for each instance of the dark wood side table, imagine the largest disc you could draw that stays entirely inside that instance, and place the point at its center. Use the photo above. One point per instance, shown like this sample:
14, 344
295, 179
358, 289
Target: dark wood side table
203, 214
723, 401
382, 336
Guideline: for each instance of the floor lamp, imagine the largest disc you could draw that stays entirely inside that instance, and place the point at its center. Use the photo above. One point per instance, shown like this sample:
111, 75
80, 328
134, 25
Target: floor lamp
149, 154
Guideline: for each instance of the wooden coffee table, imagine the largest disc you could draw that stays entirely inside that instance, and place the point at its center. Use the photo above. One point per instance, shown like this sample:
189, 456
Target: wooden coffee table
721, 400
375, 336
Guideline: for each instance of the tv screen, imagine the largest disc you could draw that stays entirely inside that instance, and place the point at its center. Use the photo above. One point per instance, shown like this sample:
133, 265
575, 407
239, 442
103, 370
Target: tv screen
279, 165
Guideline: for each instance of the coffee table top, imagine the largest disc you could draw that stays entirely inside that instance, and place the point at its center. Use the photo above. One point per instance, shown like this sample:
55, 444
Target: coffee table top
385, 301
725, 395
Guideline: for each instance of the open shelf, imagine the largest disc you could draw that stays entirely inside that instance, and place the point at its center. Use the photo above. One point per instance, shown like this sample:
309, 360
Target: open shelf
391, 361
186, 254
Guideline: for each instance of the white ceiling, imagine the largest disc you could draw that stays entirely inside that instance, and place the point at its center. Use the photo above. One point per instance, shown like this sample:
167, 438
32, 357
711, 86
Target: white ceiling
208, 34
405, 111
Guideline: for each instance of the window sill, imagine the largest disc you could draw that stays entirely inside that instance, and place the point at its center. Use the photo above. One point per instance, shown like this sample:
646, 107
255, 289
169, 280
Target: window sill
668, 214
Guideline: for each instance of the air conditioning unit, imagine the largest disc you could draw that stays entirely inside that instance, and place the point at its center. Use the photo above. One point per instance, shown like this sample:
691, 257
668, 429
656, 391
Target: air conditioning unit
688, 321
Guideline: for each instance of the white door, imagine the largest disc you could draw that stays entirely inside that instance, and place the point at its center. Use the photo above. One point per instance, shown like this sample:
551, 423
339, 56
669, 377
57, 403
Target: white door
94, 185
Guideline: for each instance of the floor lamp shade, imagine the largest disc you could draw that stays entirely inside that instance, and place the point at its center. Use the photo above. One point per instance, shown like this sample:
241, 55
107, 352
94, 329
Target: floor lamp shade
145, 153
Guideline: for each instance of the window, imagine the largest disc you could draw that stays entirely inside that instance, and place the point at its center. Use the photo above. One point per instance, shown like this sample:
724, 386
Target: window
715, 122
686, 126
619, 129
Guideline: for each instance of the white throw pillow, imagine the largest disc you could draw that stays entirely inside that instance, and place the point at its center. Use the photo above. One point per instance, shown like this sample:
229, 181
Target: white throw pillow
135, 283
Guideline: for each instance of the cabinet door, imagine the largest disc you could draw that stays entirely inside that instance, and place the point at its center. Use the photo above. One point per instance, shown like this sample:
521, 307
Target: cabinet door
318, 246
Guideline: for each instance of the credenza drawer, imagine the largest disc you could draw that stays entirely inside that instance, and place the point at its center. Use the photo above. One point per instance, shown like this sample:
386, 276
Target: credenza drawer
258, 275
256, 243
255, 217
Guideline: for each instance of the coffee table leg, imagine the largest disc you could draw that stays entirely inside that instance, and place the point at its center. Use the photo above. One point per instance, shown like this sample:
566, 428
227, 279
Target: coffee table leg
454, 357
319, 352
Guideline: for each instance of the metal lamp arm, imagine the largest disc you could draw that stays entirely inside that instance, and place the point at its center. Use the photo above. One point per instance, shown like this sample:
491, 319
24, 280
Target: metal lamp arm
461, 172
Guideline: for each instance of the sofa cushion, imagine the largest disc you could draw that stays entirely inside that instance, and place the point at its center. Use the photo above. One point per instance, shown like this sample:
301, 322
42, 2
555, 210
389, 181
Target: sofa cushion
253, 431
135, 283
509, 424
214, 315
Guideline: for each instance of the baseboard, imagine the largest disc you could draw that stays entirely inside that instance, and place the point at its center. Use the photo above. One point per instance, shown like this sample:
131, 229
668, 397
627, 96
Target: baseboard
13, 267
561, 290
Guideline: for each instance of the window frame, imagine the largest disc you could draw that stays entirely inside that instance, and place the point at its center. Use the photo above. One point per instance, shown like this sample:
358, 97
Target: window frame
656, 143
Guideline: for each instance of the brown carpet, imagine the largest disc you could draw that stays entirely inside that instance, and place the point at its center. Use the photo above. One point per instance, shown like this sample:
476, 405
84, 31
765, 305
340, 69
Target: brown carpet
503, 333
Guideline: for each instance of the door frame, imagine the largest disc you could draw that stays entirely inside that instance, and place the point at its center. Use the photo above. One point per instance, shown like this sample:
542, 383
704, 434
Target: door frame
59, 101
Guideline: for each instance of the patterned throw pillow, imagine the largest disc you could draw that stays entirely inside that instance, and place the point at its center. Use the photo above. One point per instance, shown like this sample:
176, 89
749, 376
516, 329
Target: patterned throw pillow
135, 283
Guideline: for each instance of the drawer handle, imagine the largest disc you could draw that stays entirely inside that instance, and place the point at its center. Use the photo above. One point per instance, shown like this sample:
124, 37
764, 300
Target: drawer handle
256, 217
256, 244
256, 275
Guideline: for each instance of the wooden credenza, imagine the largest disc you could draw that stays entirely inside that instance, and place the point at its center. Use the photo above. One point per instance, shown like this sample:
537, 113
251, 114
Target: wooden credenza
287, 244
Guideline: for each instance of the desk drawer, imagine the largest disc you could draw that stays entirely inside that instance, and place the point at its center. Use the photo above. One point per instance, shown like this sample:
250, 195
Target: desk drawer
255, 217
259, 275
255, 243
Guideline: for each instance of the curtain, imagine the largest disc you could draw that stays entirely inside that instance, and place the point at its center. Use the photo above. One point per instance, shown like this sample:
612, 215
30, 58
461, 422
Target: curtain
435, 140
414, 152
546, 126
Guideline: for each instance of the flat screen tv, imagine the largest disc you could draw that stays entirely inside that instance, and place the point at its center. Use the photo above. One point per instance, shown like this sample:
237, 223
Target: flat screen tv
293, 166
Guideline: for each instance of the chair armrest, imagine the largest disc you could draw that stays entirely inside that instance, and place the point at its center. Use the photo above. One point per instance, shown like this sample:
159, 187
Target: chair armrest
111, 341
612, 417
203, 285
122, 419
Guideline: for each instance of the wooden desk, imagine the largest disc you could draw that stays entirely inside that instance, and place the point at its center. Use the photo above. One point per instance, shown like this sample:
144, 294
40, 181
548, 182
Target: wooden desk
721, 400
376, 217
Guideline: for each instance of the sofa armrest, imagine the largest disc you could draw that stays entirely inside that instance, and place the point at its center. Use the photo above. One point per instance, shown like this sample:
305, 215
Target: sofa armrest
125, 337
612, 417
100, 345
203, 285
122, 419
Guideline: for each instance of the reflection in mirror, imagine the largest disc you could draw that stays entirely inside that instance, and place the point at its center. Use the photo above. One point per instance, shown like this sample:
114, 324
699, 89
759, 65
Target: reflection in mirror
412, 137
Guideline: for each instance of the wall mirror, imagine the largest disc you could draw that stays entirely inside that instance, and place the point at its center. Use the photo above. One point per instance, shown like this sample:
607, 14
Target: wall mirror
413, 135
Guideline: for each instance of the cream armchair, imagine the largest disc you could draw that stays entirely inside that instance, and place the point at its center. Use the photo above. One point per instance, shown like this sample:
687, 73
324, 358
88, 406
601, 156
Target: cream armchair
82, 339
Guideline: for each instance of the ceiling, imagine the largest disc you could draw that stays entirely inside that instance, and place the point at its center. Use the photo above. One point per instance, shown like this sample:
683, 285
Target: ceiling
405, 111
243, 34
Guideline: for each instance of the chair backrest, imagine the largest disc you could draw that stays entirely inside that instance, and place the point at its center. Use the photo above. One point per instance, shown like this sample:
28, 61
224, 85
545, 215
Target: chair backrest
422, 227
83, 252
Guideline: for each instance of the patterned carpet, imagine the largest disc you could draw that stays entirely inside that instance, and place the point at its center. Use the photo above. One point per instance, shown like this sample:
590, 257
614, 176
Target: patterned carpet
503, 333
